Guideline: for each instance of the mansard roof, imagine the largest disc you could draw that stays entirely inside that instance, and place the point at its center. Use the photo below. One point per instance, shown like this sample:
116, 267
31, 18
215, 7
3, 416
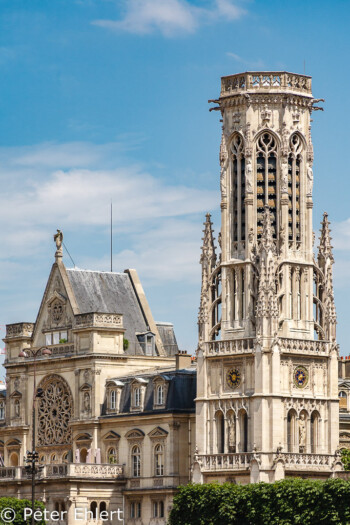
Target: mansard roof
108, 292
180, 396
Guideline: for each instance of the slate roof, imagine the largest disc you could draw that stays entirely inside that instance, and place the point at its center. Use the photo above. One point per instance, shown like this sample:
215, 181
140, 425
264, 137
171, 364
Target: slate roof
167, 335
109, 292
180, 397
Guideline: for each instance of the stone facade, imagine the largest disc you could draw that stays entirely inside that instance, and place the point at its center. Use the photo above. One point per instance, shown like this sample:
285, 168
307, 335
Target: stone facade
267, 392
122, 417
115, 413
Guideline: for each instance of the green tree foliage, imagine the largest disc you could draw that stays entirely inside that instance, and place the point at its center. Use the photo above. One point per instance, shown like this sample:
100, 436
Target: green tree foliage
287, 502
345, 457
18, 506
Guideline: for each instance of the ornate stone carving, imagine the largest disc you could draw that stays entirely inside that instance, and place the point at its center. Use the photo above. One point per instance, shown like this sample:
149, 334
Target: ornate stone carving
55, 410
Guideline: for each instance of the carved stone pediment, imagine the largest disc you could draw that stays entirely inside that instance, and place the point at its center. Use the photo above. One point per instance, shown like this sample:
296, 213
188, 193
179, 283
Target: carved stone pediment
157, 433
16, 395
111, 436
135, 434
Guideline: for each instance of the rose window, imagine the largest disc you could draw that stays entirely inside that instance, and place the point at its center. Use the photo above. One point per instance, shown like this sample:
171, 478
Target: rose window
55, 410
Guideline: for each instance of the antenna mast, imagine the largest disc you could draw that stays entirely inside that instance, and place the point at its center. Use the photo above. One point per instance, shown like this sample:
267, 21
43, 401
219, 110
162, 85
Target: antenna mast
111, 236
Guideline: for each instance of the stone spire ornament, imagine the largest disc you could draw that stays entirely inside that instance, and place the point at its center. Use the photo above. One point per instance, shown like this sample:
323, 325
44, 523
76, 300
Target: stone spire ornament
325, 262
208, 262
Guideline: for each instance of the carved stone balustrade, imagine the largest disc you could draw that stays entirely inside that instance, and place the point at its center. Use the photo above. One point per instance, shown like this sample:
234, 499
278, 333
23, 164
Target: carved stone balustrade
315, 462
19, 330
228, 347
265, 81
71, 470
224, 462
303, 346
98, 320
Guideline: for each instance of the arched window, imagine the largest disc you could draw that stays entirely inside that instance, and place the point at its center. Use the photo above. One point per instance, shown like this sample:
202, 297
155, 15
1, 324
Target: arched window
220, 432
160, 395
315, 417
113, 399
343, 399
42, 459
53, 458
266, 180
112, 456
243, 423
136, 461
103, 507
291, 430
2, 409
294, 172
93, 509
65, 457
238, 187
158, 460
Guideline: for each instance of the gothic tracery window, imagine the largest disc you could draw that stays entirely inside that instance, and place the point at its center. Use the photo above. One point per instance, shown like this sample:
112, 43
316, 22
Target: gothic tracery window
238, 187
294, 171
266, 180
55, 410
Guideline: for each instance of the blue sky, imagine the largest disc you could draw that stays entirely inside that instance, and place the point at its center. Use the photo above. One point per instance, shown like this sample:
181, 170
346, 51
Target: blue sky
106, 100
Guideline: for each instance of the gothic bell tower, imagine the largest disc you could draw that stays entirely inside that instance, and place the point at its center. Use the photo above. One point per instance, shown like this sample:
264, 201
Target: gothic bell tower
267, 354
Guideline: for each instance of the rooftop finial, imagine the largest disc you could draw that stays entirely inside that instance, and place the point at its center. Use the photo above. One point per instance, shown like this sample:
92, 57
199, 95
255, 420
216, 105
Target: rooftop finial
58, 238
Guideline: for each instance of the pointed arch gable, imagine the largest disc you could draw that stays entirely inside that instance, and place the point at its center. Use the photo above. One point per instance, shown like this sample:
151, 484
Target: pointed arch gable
58, 270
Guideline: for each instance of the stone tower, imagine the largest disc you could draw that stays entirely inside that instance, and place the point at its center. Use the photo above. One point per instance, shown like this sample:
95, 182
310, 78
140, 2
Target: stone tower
267, 400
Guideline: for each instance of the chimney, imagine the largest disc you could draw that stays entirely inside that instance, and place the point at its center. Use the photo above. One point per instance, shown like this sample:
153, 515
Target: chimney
183, 360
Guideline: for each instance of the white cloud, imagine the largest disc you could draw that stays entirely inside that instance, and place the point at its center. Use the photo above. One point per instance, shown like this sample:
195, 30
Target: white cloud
73, 198
170, 17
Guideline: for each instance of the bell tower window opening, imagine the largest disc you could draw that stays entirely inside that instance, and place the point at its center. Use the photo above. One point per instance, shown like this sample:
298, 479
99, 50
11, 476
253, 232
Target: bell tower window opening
238, 188
266, 180
294, 172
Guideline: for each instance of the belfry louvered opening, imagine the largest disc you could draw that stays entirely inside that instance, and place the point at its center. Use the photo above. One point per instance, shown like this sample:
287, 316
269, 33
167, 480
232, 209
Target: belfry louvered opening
266, 180
238, 187
294, 172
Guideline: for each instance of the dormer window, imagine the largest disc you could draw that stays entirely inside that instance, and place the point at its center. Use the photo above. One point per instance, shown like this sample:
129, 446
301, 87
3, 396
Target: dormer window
160, 395
138, 390
113, 399
147, 342
113, 395
160, 390
137, 397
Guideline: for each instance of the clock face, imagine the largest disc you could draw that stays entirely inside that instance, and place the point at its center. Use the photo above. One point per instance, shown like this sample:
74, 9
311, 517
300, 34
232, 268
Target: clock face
233, 377
301, 376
